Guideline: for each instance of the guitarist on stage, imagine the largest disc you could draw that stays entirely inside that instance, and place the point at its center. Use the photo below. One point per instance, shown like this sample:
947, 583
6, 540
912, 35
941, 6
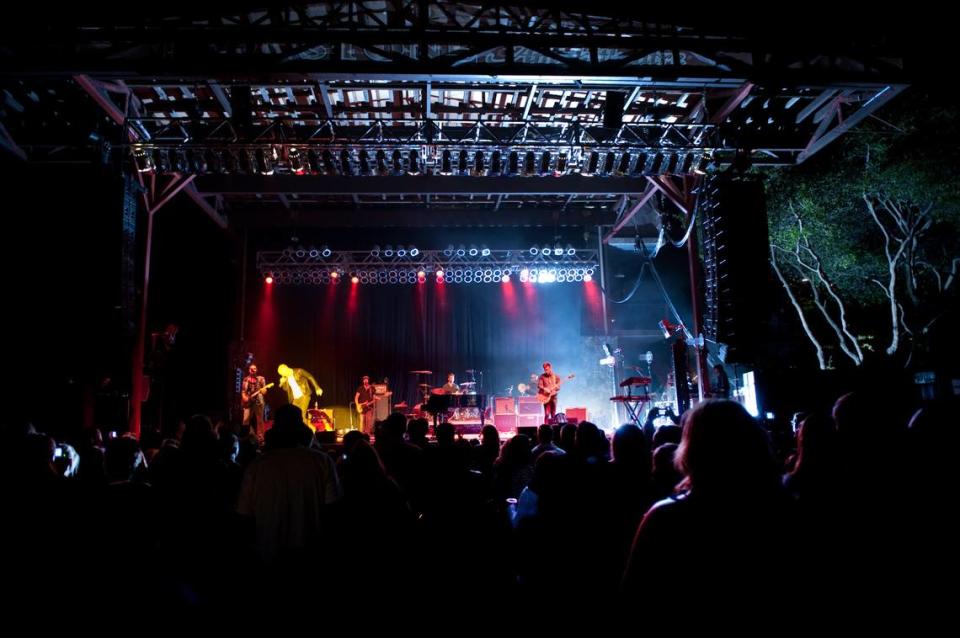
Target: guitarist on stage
251, 396
363, 400
548, 384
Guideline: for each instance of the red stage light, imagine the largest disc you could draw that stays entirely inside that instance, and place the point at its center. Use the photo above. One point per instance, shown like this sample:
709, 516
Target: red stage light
334, 274
269, 279
439, 273
355, 279
588, 277
506, 279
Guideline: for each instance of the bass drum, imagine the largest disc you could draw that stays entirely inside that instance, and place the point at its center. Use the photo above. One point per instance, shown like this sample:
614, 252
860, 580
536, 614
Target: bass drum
319, 421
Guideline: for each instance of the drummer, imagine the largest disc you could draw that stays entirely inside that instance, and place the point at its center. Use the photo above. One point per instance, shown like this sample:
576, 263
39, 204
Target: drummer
450, 387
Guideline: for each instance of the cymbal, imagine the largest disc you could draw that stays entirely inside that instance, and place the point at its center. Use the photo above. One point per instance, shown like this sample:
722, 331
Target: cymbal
635, 381
468, 383
437, 391
421, 372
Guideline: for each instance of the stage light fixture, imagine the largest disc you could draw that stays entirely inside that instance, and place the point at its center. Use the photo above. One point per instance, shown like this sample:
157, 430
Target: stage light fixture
388, 251
314, 161
300, 252
364, 159
414, 251
397, 162
461, 251
313, 253
375, 251
355, 279
561, 164
624, 166
593, 163
545, 163
381, 159
558, 250
448, 251
439, 272
474, 251
445, 167
325, 252
334, 275
545, 251
587, 277
478, 163
268, 279
401, 251
143, 160
415, 168
462, 163
296, 162
534, 250
484, 251
505, 279
495, 167
571, 251
530, 163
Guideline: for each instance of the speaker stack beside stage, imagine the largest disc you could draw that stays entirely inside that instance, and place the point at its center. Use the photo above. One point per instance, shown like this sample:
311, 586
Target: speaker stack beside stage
505, 415
529, 412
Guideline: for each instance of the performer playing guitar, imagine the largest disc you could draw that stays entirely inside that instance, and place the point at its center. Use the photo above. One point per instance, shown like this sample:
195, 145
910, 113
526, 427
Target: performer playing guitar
364, 399
548, 385
251, 398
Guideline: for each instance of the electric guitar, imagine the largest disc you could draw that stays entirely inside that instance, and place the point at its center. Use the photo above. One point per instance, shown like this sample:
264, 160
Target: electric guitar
246, 399
545, 395
362, 407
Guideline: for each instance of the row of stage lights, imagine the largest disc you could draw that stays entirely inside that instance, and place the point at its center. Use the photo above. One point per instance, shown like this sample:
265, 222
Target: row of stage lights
451, 275
450, 251
270, 160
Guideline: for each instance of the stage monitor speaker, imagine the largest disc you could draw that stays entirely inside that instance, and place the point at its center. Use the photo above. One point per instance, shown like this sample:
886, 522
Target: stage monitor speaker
504, 405
529, 421
529, 430
529, 405
505, 422
575, 415
613, 109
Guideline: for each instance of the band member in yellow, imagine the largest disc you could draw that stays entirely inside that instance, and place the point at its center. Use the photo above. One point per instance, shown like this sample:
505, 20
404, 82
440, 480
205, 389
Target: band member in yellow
298, 383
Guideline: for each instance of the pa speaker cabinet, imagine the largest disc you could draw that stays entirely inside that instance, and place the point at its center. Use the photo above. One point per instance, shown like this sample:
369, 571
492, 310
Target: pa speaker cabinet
529, 405
505, 422
529, 421
504, 405
576, 415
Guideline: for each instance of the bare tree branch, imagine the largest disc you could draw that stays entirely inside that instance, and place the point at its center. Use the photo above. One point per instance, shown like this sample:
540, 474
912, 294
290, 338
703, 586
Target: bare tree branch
796, 304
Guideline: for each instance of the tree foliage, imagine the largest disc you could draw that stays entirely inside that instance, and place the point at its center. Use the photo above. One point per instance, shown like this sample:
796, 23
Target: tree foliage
866, 238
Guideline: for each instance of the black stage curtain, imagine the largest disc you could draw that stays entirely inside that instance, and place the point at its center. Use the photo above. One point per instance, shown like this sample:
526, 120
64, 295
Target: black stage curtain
340, 332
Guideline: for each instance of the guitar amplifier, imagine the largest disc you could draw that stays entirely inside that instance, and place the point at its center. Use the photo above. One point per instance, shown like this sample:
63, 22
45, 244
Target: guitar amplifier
529, 405
505, 422
529, 420
576, 415
504, 405
381, 407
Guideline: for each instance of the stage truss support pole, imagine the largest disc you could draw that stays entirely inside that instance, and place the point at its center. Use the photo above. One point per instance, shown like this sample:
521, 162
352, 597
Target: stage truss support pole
601, 261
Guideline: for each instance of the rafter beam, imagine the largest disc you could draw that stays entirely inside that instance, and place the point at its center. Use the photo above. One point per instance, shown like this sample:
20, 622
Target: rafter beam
625, 219
437, 185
